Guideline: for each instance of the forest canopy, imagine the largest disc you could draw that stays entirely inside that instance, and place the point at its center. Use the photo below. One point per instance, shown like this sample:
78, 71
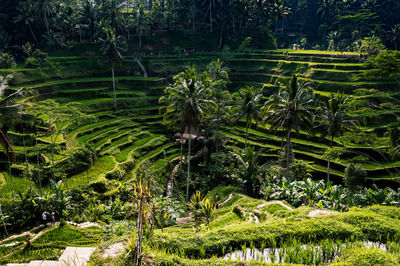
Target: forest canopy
319, 24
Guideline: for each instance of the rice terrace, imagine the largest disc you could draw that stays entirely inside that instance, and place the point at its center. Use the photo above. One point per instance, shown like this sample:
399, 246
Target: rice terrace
188, 132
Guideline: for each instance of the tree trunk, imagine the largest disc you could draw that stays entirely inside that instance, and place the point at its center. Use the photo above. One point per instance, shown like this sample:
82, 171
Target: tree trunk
113, 80
211, 23
38, 166
11, 180
33, 35
329, 160
288, 154
247, 132
220, 37
47, 23
181, 152
52, 149
145, 74
26, 162
193, 15
217, 141
188, 173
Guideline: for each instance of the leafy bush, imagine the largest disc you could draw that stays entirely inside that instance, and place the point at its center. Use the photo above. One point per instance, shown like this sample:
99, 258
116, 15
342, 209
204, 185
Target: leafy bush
7, 61
201, 208
371, 45
354, 176
385, 65
37, 59
366, 257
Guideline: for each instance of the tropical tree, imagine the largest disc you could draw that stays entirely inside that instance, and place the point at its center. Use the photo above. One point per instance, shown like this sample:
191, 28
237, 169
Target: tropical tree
247, 106
87, 13
141, 20
335, 121
395, 35
250, 170
290, 109
219, 76
188, 101
25, 15
113, 46
45, 8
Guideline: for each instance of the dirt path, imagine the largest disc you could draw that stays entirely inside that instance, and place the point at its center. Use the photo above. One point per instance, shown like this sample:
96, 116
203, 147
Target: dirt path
259, 207
36, 236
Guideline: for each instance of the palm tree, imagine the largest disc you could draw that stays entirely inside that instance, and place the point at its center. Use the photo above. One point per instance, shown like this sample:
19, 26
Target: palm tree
289, 109
395, 35
248, 106
113, 46
87, 13
249, 170
187, 100
335, 121
45, 7
325, 8
25, 15
141, 20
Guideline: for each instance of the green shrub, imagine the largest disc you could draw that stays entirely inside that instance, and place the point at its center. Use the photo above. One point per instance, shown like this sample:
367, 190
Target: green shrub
354, 176
7, 61
367, 257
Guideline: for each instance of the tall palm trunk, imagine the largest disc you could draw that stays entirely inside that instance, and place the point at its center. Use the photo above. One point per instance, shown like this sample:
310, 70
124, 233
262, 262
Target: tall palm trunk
26, 162
181, 152
52, 149
288, 154
211, 22
188, 173
11, 180
46, 22
38, 169
247, 133
113, 80
30, 29
329, 161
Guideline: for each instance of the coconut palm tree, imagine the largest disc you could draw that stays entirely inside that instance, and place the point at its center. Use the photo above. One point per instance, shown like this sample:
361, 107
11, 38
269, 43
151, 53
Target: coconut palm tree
87, 13
395, 35
247, 106
45, 8
25, 15
250, 170
335, 121
188, 100
113, 46
290, 109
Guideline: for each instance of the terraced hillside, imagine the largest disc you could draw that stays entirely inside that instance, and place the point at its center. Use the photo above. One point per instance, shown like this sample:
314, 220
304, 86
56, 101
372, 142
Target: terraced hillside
127, 138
